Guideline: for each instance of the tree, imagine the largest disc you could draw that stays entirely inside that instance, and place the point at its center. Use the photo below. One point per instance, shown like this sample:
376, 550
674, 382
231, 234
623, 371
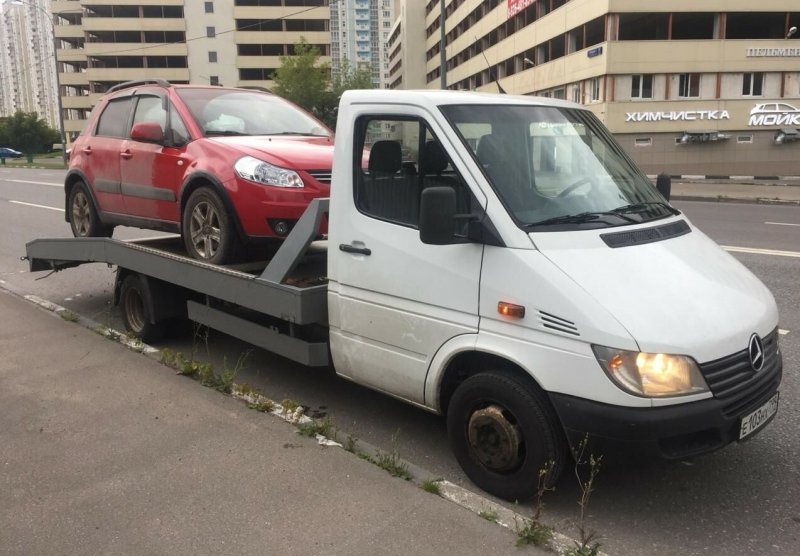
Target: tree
26, 132
308, 83
303, 80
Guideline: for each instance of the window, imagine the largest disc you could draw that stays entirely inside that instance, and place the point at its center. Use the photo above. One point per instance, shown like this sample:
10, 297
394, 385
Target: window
594, 89
150, 109
209, 7
114, 119
211, 32
398, 159
689, 85
213, 80
752, 84
643, 142
212, 56
642, 86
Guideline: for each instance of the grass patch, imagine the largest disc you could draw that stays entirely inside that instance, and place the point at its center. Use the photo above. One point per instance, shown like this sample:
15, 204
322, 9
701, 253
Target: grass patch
533, 532
322, 427
432, 486
68, 315
488, 515
391, 462
289, 406
264, 406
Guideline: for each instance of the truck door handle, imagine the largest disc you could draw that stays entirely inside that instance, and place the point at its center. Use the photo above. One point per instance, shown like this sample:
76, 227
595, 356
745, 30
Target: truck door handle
347, 248
126, 154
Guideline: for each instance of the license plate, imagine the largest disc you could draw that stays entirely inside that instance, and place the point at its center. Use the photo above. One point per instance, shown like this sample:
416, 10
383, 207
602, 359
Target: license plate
751, 422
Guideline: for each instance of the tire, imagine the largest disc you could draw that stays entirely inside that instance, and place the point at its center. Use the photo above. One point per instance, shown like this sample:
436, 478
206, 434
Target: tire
136, 313
83, 218
494, 410
207, 228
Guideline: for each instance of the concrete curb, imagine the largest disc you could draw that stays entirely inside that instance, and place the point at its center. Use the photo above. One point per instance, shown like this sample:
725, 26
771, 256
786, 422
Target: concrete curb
451, 492
723, 199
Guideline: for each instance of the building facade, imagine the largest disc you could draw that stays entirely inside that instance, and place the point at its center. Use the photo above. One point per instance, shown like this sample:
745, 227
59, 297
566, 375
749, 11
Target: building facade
406, 46
359, 32
687, 88
27, 68
101, 43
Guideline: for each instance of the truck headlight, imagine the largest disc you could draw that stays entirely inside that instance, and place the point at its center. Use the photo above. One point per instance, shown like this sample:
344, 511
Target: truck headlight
651, 374
252, 169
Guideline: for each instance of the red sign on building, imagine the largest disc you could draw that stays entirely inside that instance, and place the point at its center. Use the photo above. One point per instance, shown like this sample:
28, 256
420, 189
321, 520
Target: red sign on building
516, 6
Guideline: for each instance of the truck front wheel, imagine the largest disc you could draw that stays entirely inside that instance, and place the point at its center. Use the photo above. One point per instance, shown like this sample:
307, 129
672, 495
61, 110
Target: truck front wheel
135, 310
503, 432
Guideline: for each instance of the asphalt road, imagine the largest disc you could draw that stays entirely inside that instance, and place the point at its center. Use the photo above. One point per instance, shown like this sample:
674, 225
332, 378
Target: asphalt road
740, 500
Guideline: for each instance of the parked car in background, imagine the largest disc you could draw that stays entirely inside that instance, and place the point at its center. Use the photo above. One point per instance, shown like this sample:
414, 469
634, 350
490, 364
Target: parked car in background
6, 152
222, 166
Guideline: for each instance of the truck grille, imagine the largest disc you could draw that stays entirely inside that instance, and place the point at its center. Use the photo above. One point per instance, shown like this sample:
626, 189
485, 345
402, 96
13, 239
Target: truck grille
733, 381
322, 176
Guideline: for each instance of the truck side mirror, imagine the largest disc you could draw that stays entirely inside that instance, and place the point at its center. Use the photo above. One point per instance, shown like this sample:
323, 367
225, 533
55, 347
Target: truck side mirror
664, 185
437, 212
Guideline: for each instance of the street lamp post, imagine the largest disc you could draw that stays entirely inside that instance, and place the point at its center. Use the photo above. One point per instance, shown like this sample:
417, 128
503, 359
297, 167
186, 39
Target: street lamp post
55, 67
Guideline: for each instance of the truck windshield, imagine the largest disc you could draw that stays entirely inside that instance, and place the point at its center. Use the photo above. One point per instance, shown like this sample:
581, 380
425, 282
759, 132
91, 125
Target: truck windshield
220, 111
556, 168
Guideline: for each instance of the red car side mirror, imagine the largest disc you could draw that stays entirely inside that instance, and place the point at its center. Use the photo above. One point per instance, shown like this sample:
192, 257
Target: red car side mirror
149, 132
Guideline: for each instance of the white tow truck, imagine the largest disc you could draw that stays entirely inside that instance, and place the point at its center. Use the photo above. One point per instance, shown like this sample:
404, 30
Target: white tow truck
498, 260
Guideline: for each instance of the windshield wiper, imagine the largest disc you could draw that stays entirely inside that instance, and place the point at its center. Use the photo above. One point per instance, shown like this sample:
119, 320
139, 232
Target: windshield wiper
224, 132
579, 218
644, 207
304, 134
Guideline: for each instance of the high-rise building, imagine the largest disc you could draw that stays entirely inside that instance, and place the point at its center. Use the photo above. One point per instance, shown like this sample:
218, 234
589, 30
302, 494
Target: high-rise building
687, 88
406, 46
27, 71
100, 43
359, 32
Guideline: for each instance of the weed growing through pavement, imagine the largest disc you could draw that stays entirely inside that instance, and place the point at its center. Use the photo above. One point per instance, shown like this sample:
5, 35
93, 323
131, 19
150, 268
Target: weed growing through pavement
68, 315
314, 427
433, 486
533, 531
488, 515
245, 389
587, 545
289, 406
264, 406
391, 461
229, 373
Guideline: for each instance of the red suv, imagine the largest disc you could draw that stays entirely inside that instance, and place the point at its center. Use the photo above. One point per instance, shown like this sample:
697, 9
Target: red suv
221, 166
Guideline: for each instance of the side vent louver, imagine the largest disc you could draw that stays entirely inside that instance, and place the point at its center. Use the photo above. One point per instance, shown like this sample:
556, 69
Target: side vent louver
557, 323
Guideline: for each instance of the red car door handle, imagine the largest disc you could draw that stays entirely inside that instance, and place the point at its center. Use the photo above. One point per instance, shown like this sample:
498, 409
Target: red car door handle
87, 150
126, 154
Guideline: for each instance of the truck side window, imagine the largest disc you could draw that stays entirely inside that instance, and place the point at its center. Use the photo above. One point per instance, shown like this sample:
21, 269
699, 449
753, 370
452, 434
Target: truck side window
398, 159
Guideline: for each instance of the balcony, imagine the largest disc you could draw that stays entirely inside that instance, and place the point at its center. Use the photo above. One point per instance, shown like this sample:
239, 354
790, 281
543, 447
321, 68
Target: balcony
132, 49
133, 24
77, 102
130, 74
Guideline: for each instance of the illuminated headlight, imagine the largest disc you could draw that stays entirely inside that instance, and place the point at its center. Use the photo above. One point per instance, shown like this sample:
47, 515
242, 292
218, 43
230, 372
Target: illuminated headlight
252, 169
651, 374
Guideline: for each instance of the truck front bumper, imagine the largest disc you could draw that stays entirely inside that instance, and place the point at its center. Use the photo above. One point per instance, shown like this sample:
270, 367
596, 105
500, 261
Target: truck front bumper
673, 432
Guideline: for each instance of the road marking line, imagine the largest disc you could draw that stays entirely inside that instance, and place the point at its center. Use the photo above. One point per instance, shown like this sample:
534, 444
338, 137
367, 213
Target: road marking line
761, 251
782, 332
37, 206
781, 224
37, 182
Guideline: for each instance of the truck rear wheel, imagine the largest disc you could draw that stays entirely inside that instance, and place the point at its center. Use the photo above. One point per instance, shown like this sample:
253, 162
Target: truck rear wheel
502, 432
136, 312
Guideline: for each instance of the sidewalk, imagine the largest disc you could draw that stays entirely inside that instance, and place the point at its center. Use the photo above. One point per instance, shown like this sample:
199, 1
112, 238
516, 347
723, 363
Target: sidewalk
785, 192
103, 450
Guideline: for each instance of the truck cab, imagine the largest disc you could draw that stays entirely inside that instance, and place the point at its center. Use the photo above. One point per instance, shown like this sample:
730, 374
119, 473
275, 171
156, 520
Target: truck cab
501, 260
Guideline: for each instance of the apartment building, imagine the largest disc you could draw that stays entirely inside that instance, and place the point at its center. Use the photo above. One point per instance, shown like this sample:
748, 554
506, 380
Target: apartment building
27, 70
686, 87
359, 31
101, 43
406, 46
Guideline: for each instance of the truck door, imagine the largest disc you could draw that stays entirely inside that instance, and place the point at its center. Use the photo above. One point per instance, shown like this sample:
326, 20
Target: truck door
393, 300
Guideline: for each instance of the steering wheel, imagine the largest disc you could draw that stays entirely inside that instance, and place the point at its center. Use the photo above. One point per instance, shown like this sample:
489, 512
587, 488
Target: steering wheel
572, 187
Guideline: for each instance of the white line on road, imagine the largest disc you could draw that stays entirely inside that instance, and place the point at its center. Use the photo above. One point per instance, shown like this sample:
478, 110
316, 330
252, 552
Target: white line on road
37, 182
781, 224
761, 251
782, 332
37, 206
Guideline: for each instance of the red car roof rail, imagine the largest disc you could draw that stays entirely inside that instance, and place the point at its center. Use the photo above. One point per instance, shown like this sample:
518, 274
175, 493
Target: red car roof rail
139, 82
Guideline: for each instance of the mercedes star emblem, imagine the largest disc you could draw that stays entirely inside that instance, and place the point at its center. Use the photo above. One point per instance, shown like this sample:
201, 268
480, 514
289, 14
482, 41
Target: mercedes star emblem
756, 351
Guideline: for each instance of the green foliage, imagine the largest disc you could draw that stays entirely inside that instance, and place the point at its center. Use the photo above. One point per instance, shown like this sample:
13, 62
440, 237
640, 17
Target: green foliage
533, 532
323, 427
26, 132
307, 82
488, 515
432, 486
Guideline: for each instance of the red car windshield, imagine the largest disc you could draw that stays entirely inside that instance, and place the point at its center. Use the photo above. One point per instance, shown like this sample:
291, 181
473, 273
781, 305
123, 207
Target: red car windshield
237, 112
